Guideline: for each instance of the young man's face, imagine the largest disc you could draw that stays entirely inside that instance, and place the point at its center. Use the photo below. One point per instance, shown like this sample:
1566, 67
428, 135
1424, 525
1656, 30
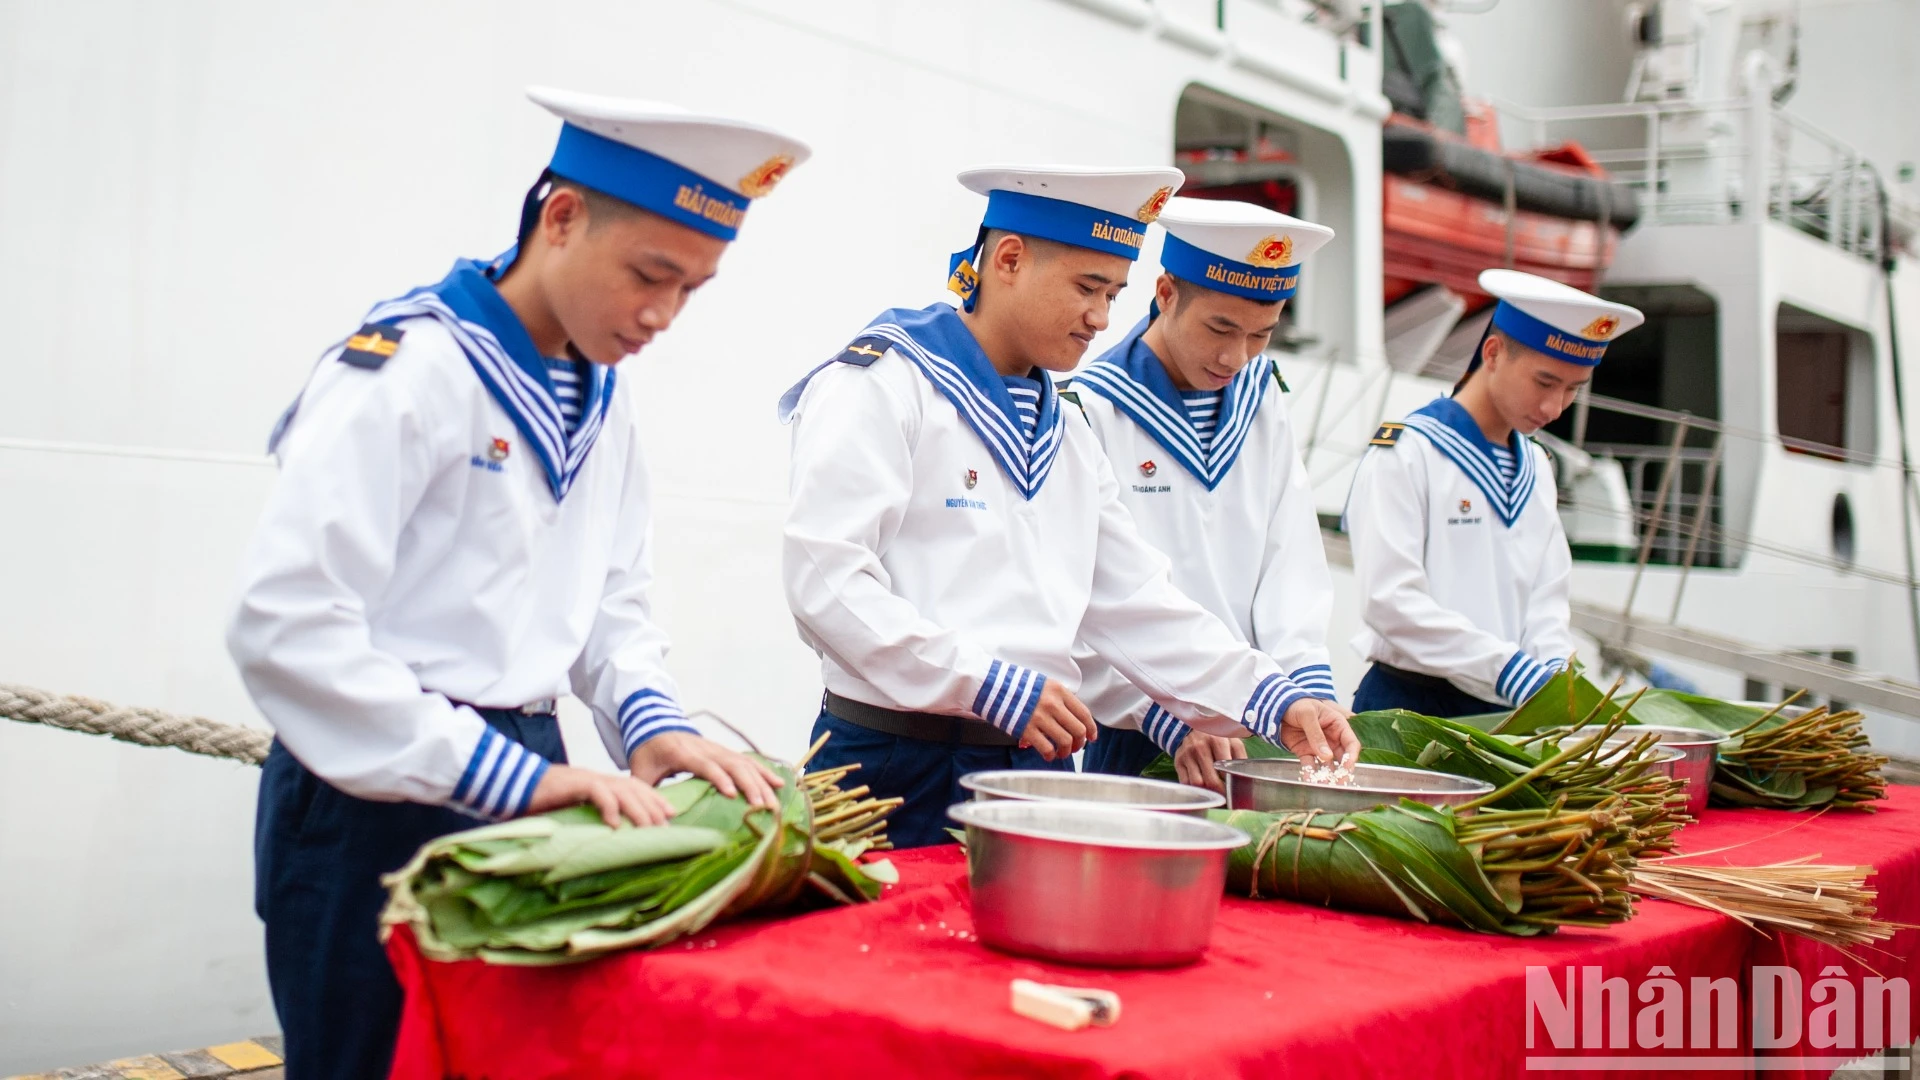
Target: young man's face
1209, 335
1528, 388
1055, 297
615, 283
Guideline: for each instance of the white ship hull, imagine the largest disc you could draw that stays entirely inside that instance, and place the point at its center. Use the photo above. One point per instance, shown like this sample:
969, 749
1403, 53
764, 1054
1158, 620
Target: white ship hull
196, 199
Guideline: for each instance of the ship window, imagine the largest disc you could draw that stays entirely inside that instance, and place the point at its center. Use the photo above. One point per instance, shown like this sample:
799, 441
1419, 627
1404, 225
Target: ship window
1823, 385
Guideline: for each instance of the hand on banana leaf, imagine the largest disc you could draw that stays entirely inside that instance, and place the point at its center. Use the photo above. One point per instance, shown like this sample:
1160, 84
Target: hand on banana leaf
563, 886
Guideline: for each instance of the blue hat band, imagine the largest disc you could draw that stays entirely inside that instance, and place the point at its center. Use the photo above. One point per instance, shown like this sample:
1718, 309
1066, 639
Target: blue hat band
1221, 274
1544, 337
1066, 222
1046, 219
649, 182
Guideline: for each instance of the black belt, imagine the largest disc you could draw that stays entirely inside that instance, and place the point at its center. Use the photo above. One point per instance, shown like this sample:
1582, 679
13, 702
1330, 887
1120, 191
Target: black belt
543, 707
927, 727
1418, 678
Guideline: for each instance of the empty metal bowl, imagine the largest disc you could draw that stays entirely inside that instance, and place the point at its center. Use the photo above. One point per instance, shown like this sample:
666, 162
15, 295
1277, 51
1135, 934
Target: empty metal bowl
1089, 884
1273, 785
1697, 750
1044, 785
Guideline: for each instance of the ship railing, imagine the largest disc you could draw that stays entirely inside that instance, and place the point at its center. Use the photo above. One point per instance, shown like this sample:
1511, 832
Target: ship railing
1712, 162
1678, 509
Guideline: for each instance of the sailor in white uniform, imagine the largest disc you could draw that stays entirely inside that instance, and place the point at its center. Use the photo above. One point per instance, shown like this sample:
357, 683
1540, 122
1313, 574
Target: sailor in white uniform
1457, 543
459, 533
953, 531
1193, 419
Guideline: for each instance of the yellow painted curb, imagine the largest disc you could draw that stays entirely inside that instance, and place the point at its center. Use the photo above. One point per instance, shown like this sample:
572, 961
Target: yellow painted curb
244, 1055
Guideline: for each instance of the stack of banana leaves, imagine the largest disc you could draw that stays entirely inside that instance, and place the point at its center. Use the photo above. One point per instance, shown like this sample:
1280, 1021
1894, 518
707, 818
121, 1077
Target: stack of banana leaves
1576, 773
1810, 759
561, 887
1517, 872
1564, 837
1779, 757
1554, 844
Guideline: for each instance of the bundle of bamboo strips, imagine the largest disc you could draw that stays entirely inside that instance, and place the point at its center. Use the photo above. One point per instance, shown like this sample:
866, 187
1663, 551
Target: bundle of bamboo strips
1828, 904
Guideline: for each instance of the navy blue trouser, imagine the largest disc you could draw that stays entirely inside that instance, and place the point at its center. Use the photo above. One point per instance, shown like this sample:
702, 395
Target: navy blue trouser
925, 774
318, 855
1382, 688
1118, 752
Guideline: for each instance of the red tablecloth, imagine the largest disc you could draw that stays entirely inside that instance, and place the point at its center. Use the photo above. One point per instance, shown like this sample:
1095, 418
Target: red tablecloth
894, 989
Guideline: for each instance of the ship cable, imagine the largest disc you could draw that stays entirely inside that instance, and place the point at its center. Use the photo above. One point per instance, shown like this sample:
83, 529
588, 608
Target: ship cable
1888, 262
141, 726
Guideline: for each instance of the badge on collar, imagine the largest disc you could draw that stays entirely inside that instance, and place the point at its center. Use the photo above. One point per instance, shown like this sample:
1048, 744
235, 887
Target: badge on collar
372, 346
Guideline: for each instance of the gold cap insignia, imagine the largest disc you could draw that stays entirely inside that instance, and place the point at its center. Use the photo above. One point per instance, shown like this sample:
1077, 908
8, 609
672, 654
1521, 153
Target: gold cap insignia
1273, 251
766, 177
1150, 209
1601, 328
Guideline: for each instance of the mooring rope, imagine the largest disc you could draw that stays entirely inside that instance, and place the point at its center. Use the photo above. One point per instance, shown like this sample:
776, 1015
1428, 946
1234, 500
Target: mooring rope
145, 727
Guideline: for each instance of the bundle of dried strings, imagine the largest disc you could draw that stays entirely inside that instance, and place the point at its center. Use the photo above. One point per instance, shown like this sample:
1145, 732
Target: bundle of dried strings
1829, 904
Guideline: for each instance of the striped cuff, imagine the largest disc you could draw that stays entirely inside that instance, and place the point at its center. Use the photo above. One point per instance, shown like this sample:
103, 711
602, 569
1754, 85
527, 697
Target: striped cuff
1269, 703
1315, 679
500, 778
1007, 698
1166, 730
1523, 677
647, 713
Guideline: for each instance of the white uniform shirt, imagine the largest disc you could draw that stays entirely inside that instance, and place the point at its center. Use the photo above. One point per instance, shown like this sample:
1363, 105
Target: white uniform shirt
1463, 574
1247, 548
413, 551
927, 580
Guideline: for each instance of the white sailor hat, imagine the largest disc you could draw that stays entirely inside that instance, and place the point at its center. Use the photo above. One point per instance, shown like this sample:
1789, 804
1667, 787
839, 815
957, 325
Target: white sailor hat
699, 171
1106, 210
1555, 319
1237, 248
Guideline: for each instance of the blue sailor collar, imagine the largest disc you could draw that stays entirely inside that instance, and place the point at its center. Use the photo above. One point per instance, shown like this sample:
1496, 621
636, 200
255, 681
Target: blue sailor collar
468, 305
1447, 424
1132, 377
940, 346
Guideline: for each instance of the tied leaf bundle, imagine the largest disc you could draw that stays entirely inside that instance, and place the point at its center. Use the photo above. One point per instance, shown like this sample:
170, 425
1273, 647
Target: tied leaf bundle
1818, 758
561, 887
1811, 759
1515, 872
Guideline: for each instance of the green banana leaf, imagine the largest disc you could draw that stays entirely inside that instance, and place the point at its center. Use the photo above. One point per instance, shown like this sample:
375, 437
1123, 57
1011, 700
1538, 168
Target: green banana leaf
562, 887
1402, 860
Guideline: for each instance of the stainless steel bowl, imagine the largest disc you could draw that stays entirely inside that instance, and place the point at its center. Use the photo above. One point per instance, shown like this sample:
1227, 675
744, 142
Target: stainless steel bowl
1697, 750
1089, 884
1273, 785
1044, 785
